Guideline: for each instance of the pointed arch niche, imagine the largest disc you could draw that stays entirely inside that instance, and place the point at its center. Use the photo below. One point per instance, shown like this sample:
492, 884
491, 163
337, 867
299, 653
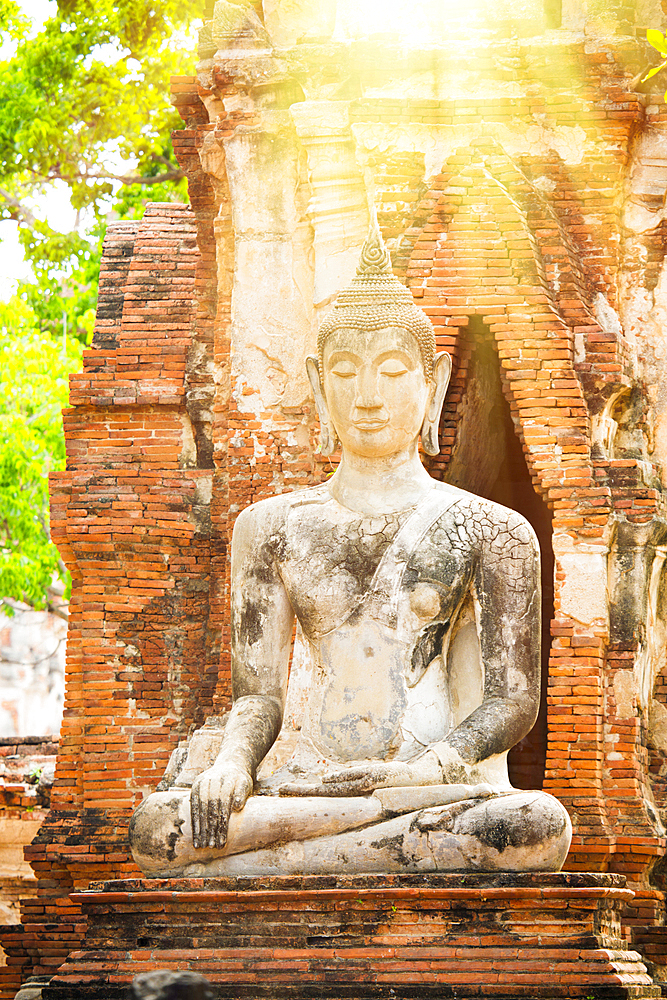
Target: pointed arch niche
491, 264
487, 459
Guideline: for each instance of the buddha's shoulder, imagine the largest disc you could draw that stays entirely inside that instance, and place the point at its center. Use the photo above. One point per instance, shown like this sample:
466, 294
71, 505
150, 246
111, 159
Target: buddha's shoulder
271, 514
487, 519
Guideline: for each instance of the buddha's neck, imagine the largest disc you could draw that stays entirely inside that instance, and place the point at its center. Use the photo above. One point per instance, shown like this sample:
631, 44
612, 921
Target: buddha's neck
376, 486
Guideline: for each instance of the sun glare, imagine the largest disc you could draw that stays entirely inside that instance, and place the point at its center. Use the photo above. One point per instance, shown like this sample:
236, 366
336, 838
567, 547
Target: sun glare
409, 20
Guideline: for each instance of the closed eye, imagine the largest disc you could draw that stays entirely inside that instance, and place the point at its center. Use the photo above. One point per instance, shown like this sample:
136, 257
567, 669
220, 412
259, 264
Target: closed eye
393, 372
344, 369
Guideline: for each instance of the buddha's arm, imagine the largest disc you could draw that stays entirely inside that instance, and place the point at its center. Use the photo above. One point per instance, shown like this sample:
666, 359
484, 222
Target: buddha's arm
262, 620
508, 608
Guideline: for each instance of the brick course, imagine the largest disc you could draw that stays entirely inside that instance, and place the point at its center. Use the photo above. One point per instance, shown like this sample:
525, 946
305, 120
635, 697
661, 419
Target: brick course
369, 936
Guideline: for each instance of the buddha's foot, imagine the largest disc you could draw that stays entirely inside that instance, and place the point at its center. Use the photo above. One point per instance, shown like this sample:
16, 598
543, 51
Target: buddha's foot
513, 831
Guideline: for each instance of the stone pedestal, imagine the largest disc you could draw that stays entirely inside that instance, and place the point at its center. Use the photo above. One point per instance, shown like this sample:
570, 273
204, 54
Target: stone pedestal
396, 936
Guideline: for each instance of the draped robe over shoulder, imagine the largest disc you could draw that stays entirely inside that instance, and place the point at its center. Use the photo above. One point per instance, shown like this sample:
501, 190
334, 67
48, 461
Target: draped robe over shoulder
378, 679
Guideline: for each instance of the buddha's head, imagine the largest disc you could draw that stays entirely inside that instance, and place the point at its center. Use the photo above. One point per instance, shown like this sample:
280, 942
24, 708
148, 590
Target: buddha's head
377, 379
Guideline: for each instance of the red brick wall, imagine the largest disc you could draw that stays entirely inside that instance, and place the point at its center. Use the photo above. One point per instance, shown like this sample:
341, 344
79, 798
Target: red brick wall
131, 516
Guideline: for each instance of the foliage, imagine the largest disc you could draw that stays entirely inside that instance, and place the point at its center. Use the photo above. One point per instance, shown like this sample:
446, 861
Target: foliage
34, 369
58, 301
657, 40
12, 18
78, 101
84, 108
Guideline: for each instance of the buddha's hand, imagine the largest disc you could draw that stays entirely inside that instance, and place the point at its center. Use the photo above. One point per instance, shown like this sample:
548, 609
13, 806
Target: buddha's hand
359, 779
217, 791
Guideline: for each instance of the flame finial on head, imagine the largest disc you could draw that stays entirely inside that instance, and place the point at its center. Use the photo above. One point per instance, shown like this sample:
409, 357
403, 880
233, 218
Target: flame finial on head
376, 299
375, 257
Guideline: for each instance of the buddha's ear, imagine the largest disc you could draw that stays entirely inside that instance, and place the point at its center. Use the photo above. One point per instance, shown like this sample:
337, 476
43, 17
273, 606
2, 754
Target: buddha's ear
442, 369
328, 436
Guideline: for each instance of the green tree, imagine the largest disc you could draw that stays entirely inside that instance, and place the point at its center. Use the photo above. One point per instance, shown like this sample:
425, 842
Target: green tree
34, 370
79, 101
84, 103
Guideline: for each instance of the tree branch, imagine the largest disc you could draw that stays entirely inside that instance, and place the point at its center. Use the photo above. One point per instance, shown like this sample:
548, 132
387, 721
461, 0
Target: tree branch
17, 210
168, 175
59, 610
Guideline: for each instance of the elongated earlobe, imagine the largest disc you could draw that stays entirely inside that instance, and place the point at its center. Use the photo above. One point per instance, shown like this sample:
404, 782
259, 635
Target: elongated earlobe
430, 442
442, 369
328, 437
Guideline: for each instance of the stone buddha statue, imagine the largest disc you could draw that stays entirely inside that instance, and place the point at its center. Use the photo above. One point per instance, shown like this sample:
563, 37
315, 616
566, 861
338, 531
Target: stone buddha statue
419, 609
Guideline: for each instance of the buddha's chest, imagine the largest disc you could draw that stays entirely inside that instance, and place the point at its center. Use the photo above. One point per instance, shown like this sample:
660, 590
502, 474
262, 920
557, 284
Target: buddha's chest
334, 572
378, 612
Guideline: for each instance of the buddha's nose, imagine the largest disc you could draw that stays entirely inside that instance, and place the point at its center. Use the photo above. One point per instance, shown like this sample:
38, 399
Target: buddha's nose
368, 397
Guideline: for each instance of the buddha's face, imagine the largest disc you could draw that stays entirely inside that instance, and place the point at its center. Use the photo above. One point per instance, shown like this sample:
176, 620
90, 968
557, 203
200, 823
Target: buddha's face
376, 391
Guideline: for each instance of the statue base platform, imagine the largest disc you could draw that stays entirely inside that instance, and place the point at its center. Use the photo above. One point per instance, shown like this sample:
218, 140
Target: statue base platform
399, 937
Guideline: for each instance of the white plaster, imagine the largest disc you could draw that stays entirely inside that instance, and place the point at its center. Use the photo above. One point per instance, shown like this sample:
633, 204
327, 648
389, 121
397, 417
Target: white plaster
625, 693
321, 118
187, 458
657, 726
584, 592
272, 314
291, 21
606, 315
270, 345
338, 205
204, 489
652, 656
640, 219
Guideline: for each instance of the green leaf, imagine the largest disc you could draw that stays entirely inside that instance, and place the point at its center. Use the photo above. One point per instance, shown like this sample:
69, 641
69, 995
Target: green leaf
657, 40
652, 72
89, 89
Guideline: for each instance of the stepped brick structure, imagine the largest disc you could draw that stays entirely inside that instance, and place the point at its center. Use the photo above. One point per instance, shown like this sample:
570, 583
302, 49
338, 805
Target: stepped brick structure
518, 172
26, 771
519, 936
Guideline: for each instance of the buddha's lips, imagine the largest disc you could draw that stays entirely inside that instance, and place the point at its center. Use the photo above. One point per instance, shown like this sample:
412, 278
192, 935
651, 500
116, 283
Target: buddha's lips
370, 425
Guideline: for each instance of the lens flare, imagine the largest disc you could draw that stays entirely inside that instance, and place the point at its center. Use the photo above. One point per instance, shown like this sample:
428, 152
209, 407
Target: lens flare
409, 20
425, 21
